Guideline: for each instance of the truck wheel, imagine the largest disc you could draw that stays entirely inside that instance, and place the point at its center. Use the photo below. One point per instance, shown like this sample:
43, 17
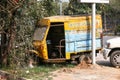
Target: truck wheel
115, 58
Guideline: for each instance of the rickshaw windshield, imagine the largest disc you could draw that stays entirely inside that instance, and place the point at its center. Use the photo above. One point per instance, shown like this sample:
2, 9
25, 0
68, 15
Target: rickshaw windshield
39, 33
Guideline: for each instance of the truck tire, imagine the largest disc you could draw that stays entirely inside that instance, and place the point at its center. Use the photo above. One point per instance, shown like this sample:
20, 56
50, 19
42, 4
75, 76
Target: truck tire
115, 58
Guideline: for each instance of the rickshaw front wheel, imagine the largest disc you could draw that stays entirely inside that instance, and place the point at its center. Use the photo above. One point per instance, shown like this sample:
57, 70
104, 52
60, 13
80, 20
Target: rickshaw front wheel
32, 59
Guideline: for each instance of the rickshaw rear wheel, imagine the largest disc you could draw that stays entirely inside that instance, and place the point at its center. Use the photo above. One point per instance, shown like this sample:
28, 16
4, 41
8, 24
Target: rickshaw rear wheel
31, 59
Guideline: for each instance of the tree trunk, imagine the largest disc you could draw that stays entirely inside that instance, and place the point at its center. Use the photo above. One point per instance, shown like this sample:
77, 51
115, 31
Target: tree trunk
2, 45
11, 38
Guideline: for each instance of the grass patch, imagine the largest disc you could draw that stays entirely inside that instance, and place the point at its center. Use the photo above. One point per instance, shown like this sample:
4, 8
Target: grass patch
39, 72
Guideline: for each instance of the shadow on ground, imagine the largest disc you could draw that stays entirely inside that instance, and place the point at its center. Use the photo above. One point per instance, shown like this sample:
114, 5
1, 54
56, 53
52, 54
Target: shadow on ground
104, 63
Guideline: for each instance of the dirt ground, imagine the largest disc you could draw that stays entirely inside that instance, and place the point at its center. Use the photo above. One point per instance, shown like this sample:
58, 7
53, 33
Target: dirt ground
103, 70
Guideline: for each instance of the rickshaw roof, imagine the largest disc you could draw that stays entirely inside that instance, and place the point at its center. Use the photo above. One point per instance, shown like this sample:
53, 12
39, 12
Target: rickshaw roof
67, 18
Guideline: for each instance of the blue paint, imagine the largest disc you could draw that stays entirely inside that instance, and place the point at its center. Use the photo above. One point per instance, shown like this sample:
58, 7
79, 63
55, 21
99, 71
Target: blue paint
79, 41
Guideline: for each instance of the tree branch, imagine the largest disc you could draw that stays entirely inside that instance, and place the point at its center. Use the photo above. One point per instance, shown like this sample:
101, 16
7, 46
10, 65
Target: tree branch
2, 8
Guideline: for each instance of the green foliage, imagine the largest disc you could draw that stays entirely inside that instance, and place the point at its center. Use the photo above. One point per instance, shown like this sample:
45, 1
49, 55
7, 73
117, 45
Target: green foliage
49, 7
24, 18
76, 8
115, 4
117, 30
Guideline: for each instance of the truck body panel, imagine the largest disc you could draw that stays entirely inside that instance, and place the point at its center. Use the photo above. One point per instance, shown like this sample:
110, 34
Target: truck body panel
78, 35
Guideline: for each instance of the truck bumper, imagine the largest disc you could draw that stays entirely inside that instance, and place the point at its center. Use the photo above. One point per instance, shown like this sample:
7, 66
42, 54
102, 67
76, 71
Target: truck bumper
106, 53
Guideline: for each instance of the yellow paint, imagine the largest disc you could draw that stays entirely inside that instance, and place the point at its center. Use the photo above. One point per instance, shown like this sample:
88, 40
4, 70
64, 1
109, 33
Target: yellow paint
41, 45
35, 52
78, 23
67, 56
43, 22
82, 24
44, 51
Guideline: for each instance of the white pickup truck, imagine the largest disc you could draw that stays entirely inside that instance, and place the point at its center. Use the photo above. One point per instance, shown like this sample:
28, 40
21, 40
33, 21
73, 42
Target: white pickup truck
112, 50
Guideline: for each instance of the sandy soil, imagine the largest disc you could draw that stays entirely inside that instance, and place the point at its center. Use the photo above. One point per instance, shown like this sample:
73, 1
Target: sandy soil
101, 71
